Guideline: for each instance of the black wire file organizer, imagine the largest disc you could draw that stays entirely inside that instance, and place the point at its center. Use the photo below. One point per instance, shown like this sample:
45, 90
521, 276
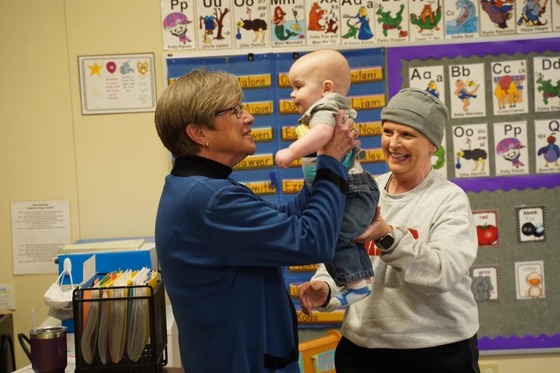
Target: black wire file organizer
120, 328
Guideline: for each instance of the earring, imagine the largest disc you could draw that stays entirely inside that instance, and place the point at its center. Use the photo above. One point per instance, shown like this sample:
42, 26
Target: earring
206, 144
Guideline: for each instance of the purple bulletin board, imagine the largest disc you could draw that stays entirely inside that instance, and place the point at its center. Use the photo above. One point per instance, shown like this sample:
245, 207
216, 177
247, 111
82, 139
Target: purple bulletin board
398, 56
496, 190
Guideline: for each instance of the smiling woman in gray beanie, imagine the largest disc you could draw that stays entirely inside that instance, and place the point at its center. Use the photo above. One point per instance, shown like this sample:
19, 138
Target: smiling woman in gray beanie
422, 316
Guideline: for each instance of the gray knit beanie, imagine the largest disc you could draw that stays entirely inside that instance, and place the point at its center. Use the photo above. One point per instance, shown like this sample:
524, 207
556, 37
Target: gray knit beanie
420, 110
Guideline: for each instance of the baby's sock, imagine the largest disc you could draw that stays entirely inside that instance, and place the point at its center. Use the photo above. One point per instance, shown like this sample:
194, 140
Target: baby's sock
353, 292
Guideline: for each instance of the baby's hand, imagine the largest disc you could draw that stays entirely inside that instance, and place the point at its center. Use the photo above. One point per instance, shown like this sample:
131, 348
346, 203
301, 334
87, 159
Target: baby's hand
311, 295
283, 158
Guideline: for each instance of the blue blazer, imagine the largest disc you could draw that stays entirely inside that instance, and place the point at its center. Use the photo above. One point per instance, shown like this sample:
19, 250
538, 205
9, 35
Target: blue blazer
221, 250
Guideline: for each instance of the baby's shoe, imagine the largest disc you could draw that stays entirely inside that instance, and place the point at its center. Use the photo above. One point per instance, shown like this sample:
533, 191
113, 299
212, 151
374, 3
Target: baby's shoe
346, 297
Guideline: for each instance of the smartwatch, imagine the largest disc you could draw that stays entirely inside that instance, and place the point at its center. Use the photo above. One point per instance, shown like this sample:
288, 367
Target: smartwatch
385, 242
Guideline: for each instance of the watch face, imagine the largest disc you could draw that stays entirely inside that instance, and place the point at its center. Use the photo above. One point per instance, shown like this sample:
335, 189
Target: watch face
386, 242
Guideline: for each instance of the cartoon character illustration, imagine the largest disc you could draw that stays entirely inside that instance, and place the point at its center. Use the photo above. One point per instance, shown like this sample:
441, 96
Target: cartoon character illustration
352, 29
428, 19
361, 28
258, 26
548, 89
550, 152
438, 158
315, 15
143, 67
534, 280
176, 24
482, 288
510, 149
332, 22
531, 13
499, 11
466, 21
465, 91
432, 88
296, 26
477, 155
279, 19
388, 22
211, 23
530, 229
507, 91
125, 68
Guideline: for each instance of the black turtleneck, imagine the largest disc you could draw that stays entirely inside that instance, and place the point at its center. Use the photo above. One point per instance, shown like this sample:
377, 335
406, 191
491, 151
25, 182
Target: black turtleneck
200, 166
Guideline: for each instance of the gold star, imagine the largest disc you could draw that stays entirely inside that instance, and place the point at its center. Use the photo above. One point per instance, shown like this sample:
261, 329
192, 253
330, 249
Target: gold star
95, 69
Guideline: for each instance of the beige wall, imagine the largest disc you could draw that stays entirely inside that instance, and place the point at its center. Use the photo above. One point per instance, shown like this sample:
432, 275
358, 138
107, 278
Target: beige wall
110, 167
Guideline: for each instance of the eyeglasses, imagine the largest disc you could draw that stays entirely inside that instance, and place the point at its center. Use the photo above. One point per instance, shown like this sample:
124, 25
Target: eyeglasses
237, 111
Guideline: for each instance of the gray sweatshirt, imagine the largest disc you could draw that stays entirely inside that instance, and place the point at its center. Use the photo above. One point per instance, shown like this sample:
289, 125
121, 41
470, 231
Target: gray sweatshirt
421, 291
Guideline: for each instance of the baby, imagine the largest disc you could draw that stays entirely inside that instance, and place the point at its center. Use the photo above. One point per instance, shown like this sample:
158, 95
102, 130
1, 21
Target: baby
320, 82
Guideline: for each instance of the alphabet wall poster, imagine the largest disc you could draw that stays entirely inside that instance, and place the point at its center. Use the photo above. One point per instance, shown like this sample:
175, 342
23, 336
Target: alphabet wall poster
252, 24
533, 16
468, 87
214, 26
429, 78
289, 24
547, 146
470, 147
323, 22
509, 79
512, 154
392, 22
497, 18
178, 25
357, 24
547, 83
426, 20
462, 20
555, 10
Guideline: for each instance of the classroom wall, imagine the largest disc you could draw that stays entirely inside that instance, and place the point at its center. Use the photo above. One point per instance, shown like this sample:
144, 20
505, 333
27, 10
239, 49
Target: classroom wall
110, 167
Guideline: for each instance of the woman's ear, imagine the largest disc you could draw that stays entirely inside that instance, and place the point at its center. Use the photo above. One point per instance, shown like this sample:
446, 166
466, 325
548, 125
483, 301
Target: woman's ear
196, 134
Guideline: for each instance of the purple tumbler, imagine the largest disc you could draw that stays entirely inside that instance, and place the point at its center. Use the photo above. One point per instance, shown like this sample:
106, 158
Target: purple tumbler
48, 349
